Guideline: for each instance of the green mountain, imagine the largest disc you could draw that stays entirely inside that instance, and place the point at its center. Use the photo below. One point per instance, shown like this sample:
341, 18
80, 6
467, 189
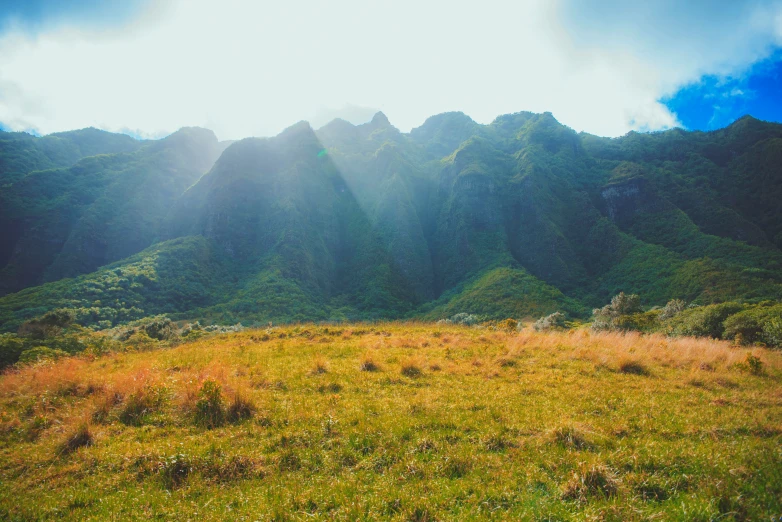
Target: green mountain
517, 218
67, 221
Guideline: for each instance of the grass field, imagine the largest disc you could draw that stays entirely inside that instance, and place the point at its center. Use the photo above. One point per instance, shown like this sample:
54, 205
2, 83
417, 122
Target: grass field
398, 421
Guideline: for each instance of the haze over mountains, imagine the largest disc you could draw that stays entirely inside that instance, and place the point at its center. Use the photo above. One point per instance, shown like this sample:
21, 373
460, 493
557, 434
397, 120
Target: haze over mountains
517, 218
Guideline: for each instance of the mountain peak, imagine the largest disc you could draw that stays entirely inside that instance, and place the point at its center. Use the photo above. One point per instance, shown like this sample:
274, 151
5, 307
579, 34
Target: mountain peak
380, 119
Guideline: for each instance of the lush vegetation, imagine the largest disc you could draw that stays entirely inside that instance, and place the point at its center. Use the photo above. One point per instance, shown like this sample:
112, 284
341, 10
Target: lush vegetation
391, 421
517, 219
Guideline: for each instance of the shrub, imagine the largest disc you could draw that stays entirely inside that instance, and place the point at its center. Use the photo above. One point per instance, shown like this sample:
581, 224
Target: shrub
754, 364
158, 328
40, 353
209, 410
555, 321
760, 323
508, 325
610, 317
11, 347
161, 329
772, 332
704, 321
48, 325
673, 308
464, 318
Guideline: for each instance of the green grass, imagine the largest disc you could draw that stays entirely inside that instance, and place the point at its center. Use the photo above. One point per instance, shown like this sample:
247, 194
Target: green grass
453, 423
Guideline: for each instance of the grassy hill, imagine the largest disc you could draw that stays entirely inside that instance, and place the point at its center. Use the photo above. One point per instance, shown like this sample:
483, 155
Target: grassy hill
396, 421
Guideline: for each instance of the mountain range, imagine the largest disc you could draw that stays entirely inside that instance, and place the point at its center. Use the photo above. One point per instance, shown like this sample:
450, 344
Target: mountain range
517, 218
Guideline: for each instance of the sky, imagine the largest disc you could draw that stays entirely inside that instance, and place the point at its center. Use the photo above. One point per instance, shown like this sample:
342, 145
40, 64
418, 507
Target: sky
253, 68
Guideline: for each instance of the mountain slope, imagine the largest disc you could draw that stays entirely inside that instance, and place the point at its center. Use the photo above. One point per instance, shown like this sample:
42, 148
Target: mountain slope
69, 221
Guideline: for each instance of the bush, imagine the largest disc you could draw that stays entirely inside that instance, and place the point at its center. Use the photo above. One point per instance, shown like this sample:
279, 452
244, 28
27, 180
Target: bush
161, 329
704, 321
463, 318
41, 353
673, 308
743, 327
48, 325
555, 321
772, 332
11, 347
754, 364
158, 328
508, 325
760, 324
611, 316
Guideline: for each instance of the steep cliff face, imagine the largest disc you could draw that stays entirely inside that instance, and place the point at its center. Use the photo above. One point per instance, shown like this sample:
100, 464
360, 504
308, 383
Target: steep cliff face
626, 199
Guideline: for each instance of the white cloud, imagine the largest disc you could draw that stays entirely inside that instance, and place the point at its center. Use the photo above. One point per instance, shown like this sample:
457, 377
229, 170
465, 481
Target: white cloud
253, 68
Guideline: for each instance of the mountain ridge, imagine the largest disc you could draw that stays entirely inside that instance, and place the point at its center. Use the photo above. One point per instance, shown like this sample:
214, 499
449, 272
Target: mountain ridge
366, 222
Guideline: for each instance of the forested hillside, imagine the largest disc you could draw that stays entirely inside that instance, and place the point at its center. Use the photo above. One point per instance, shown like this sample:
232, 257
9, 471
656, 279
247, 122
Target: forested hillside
518, 218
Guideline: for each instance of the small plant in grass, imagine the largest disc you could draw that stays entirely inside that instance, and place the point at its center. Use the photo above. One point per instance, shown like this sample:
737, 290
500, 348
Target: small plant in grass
78, 439
141, 403
571, 437
319, 366
496, 443
174, 470
332, 387
289, 461
209, 409
754, 364
240, 409
104, 406
36, 427
455, 467
591, 482
633, 367
411, 369
369, 365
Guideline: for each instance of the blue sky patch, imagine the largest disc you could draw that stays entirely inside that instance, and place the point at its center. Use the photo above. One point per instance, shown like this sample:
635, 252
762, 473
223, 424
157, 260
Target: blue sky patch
715, 102
37, 14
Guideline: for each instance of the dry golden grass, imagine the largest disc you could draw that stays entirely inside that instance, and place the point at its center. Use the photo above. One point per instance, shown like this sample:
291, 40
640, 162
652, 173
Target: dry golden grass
395, 421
